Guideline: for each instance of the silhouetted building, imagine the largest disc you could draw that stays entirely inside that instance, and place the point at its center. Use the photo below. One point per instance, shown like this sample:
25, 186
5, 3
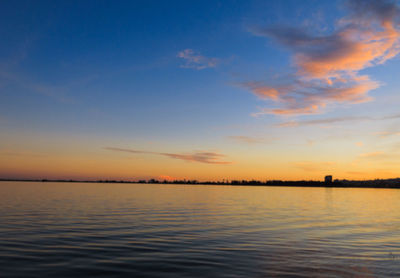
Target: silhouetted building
328, 179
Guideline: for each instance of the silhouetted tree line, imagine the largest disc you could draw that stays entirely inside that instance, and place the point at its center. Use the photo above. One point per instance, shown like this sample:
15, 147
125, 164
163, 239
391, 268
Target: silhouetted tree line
381, 183
377, 183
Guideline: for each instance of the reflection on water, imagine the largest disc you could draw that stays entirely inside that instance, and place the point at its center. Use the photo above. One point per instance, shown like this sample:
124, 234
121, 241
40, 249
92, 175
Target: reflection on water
144, 230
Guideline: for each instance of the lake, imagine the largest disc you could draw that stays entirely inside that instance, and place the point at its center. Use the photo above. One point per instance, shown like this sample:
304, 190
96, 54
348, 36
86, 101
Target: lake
154, 230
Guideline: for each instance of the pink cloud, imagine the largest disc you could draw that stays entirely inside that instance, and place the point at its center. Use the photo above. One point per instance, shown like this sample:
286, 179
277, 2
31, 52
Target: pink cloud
327, 67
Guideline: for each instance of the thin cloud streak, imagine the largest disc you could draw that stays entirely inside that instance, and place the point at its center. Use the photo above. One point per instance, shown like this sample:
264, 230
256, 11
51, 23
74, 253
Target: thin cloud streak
328, 66
337, 120
373, 155
379, 156
201, 156
194, 60
322, 121
249, 140
385, 134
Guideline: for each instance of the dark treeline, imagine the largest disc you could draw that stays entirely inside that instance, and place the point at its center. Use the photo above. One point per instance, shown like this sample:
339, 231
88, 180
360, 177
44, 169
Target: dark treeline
377, 183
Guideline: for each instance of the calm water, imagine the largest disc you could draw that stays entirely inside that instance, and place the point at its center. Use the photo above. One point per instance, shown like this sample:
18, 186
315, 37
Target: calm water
91, 230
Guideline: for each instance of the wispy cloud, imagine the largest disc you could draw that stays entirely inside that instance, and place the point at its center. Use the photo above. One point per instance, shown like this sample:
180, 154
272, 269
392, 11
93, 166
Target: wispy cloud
373, 154
359, 144
249, 140
328, 66
323, 121
384, 134
195, 60
373, 174
334, 120
200, 156
378, 155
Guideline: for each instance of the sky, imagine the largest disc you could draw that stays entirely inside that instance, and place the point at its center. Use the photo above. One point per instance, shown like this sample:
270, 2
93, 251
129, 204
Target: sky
205, 90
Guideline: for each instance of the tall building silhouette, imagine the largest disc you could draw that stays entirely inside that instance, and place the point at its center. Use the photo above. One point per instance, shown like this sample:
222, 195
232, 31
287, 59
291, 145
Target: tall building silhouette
328, 179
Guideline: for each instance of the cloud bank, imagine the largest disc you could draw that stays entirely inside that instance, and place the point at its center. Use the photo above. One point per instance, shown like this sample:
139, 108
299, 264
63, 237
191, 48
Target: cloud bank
328, 66
201, 156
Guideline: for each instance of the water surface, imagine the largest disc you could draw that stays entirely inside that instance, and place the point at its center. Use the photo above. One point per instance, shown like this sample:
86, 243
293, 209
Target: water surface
146, 230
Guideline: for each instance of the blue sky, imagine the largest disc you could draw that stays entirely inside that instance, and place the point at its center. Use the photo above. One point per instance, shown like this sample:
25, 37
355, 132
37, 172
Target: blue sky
236, 78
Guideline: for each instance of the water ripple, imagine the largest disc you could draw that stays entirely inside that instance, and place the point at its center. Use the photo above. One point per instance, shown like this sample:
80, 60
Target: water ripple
85, 230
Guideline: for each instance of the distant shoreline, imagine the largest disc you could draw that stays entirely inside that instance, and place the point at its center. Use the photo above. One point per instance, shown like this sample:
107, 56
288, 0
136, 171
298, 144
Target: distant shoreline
378, 183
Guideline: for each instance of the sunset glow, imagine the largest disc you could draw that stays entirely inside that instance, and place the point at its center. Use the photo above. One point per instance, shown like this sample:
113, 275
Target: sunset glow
201, 90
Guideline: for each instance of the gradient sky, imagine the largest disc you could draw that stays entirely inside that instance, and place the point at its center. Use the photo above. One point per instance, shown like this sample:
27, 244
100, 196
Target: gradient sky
205, 90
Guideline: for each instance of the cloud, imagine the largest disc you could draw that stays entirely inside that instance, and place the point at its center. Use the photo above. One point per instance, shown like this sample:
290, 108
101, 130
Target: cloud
248, 139
342, 119
327, 66
200, 156
203, 157
371, 154
384, 134
359, 144
373, 174
376, 155
323, 121
128, 150
310, 166
194, 60
391, 117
